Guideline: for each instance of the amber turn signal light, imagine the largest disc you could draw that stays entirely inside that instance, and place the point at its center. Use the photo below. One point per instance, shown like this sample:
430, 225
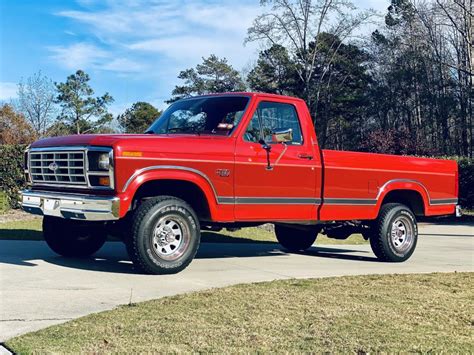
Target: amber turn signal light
132, 154
104, 181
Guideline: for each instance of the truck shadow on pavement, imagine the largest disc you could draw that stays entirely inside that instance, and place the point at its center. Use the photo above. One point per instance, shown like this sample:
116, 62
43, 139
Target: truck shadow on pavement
112, 258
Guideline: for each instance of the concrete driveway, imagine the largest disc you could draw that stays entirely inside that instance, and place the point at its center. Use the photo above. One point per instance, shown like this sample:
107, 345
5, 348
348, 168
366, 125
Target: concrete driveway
39, 288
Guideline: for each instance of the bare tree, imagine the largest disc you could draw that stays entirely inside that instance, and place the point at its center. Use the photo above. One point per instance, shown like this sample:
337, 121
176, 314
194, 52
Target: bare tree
450, 27
298, 24
36, 102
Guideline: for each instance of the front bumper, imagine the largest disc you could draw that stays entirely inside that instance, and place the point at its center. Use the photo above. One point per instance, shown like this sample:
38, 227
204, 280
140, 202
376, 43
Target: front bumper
71, 206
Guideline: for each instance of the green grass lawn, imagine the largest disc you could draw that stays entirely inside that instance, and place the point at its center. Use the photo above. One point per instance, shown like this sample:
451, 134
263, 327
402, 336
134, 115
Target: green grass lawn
390, 314
23, 229
31, 230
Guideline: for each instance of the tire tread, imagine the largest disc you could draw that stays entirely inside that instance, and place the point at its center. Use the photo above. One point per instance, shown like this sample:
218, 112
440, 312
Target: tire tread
140, 214
376, 239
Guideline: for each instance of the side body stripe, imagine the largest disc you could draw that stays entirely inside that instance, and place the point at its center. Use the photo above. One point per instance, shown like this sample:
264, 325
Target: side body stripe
241, 200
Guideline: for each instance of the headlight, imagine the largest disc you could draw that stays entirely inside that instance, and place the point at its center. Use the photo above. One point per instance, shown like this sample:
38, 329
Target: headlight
99, 160
104, 161
100, 172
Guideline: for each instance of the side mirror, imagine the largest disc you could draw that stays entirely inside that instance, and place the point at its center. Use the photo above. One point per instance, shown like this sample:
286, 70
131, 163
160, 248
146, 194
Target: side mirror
282, 136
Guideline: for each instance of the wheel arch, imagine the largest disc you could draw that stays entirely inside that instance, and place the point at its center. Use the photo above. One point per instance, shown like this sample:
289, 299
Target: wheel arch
410, 193
187, 184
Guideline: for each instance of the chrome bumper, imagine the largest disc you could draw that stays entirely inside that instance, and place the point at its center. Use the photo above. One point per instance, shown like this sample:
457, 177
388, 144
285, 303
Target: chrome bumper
70, 206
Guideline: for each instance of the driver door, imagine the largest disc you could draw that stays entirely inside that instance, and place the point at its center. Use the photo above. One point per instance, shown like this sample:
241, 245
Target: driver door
285, 190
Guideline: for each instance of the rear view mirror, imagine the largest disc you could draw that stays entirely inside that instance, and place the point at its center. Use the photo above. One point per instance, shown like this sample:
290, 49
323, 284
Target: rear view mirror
282, 136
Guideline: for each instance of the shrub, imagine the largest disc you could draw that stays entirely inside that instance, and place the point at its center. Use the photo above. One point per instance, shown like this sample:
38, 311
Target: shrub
12, 177
4, 205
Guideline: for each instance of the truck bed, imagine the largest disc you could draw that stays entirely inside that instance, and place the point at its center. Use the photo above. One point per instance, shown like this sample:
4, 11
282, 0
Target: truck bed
355, 184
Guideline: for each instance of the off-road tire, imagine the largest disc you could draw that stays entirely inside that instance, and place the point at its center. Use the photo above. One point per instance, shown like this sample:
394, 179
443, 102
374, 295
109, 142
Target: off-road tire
381, 240
294, 239
71, 238
141, 245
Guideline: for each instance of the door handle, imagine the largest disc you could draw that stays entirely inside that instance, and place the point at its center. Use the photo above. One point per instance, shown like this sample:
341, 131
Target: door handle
305, 156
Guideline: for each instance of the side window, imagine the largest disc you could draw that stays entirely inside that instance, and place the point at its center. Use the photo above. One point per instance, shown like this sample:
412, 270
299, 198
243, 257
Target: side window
270, 117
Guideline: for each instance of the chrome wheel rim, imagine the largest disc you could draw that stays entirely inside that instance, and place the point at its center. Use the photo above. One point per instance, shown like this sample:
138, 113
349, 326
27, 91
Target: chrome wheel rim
170, 237
402, 234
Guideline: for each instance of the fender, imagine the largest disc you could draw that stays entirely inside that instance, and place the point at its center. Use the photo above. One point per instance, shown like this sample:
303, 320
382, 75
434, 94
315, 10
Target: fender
403, 184
167, 172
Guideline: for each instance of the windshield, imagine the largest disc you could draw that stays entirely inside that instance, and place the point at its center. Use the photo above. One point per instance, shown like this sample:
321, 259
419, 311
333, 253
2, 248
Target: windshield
202, 115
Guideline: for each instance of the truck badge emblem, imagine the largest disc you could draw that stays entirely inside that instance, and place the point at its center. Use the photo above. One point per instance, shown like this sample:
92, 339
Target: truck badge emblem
53, 166
223, 172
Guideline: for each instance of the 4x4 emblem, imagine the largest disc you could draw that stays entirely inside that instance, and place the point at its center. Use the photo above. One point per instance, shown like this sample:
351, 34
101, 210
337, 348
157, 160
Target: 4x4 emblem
223, 172
53, 166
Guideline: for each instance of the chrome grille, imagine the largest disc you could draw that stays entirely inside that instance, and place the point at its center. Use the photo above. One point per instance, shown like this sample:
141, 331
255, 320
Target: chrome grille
58, 167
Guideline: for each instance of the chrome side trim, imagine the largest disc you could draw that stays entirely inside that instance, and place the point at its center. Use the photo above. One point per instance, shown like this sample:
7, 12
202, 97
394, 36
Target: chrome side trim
350, 201
402, 180
268, 200
277, 200
225, 200
445, 201
169, 167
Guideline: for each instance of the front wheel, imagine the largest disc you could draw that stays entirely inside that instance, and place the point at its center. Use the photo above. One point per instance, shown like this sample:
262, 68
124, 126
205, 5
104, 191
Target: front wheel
395, 233
72, 238
165, 236
295, 239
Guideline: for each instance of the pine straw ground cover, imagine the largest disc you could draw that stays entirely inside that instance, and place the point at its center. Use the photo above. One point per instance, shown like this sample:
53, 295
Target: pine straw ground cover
391, 313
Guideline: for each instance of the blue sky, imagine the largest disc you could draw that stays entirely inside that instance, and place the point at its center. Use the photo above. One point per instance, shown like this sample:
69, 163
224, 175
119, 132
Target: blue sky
132, 49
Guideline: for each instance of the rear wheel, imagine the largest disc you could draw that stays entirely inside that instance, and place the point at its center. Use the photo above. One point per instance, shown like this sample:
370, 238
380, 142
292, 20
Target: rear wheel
395, 233
295, 239
72, 238
165, 236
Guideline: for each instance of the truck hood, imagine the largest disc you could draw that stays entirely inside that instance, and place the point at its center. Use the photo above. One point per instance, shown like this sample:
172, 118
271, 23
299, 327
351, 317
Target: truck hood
116, 140
86, 139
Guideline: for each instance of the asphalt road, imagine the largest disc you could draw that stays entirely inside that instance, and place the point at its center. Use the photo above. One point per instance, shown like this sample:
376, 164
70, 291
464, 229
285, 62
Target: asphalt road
39, 288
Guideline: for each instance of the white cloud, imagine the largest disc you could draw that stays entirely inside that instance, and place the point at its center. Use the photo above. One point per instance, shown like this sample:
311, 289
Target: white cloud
189, 49
8, 91
232, 17
183, 31
78, 55
119, 19
143, 19
123, 65
88, 56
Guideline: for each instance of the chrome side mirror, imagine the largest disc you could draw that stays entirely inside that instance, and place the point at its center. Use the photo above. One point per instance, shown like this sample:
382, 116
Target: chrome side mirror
282, 136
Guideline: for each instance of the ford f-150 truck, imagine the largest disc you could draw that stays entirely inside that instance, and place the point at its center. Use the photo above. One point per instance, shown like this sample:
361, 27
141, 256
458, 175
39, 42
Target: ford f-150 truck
227, 161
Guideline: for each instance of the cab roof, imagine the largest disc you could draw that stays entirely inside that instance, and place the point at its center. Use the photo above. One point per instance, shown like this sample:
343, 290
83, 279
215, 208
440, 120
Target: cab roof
249, 94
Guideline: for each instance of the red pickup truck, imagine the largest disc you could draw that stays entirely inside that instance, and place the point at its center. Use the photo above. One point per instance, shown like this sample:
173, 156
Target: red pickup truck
227, 161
